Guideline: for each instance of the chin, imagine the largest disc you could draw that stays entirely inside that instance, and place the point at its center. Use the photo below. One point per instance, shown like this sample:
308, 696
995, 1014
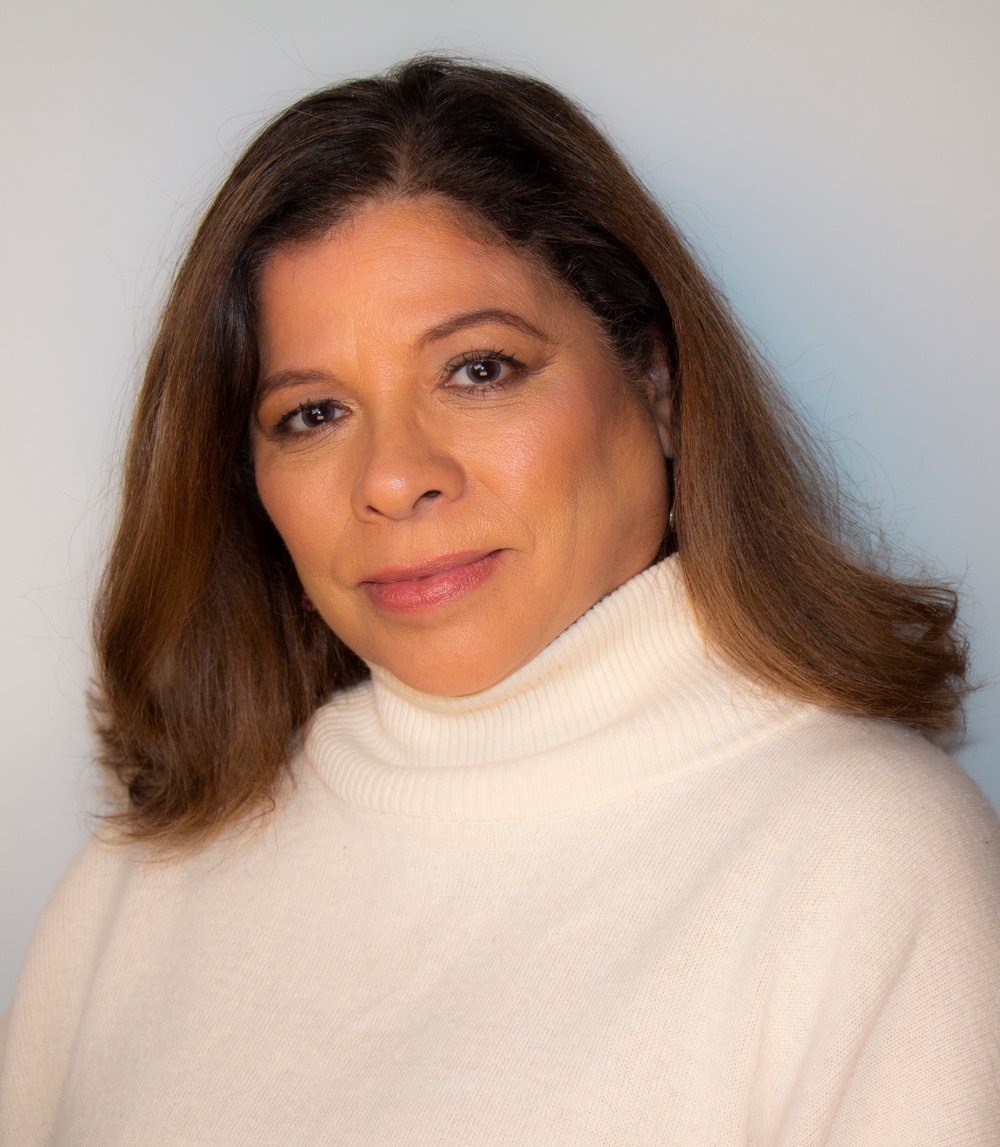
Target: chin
454, 684
452, 673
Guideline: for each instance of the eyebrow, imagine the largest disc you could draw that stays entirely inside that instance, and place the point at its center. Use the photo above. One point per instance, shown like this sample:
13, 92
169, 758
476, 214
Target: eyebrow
475, 318
286, 378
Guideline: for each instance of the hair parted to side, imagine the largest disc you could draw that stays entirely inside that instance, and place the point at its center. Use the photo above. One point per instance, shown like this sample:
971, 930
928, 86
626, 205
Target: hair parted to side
207, 664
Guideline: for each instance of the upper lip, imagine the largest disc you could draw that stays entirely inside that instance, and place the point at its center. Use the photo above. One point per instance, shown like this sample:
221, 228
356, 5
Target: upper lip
426, 569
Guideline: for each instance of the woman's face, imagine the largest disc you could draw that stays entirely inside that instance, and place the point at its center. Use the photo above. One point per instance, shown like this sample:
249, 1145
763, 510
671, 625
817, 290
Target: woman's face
447, 447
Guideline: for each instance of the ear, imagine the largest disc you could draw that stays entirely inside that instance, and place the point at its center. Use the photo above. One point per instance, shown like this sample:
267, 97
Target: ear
662, 400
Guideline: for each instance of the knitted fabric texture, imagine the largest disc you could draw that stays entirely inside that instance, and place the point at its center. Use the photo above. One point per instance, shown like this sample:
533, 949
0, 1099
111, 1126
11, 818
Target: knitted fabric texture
623, 897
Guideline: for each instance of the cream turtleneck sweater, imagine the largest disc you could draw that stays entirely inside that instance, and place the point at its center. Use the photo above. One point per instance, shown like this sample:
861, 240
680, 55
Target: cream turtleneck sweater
621, 898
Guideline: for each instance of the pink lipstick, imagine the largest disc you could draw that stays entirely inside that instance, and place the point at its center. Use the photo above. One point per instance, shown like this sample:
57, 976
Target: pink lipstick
444, 579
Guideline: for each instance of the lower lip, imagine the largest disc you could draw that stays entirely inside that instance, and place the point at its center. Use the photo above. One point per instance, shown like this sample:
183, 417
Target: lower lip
438, 589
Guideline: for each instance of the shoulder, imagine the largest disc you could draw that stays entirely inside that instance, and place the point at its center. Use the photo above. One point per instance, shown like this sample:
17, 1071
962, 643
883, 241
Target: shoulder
882, 810
86, 898
64, 952
876, 769
890, 927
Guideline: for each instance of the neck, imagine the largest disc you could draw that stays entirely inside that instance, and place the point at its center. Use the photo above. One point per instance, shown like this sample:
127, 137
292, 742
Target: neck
580, 724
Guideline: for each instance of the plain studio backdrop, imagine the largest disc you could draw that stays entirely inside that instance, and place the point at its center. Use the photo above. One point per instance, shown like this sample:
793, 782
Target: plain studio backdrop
835, 163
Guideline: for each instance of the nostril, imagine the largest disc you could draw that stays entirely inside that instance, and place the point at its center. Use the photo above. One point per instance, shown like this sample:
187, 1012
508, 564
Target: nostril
432, 493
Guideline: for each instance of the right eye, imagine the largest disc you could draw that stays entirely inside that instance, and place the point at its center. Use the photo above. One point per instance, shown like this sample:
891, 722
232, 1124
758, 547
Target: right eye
311, 416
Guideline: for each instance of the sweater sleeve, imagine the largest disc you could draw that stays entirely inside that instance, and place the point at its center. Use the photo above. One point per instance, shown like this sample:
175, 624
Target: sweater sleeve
928, 1069
899, 996
40, 1026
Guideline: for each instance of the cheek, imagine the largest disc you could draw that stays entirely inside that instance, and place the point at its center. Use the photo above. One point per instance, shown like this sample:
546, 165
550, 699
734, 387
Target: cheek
581, 449
297, 501
626, 475
565, 441
277, 497
543, 473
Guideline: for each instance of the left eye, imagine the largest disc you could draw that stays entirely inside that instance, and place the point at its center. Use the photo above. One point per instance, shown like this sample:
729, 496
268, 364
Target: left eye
482, 370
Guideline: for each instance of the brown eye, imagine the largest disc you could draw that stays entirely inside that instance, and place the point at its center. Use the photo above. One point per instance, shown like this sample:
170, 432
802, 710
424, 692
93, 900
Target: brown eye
484, 370
311, 416
317, 414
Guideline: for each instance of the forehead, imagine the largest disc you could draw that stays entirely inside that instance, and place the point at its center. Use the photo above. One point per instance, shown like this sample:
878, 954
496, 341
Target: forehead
396, 269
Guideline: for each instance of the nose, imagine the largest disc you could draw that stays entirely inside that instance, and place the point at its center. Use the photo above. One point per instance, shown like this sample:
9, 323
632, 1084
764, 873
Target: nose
404, 468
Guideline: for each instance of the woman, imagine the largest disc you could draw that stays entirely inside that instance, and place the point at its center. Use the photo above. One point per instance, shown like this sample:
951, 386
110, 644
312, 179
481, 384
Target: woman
457, 807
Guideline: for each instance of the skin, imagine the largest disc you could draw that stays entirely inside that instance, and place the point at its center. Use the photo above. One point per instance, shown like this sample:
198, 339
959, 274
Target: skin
392, 429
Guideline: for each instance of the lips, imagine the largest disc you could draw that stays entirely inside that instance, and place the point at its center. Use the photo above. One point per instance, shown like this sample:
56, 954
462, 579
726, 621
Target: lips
406, 589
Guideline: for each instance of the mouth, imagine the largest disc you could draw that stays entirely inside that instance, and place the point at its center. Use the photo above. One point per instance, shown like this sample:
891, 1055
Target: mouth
407, 589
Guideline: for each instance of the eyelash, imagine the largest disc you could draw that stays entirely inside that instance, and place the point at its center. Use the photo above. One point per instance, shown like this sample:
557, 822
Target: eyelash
516, 371
283, 428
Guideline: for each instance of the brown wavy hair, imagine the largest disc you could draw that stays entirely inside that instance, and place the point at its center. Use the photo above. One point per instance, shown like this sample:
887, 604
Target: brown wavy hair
207, 665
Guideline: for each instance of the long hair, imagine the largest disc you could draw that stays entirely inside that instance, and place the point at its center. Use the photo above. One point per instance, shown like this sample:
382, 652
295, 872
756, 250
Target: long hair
208, 667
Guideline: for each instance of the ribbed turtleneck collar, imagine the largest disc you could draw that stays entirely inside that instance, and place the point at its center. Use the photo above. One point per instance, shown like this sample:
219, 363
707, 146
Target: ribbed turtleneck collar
624, 698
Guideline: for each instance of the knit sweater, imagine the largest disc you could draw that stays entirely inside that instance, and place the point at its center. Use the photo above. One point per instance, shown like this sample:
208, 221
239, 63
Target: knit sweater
622, 897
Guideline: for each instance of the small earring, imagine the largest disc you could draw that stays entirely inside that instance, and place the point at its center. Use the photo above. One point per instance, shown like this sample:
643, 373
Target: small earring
307, 603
